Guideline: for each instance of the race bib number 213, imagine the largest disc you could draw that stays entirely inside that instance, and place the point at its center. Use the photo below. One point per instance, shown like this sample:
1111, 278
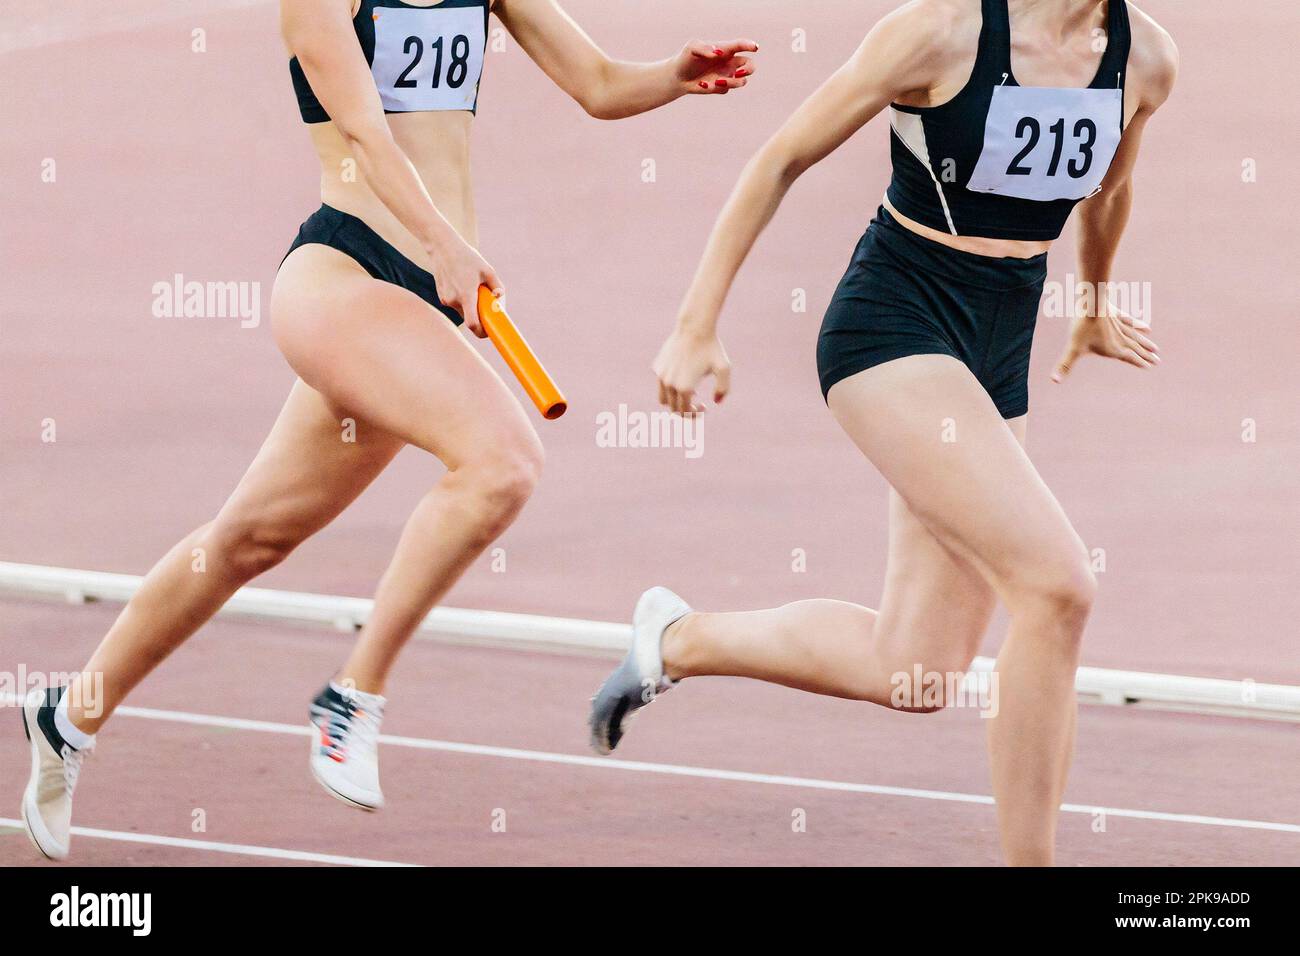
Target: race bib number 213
429, 58
1044, 144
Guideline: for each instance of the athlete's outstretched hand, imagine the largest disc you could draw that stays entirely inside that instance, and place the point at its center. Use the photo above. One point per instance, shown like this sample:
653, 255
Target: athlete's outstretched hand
715, 67
1111, 333
460, 270
683, 362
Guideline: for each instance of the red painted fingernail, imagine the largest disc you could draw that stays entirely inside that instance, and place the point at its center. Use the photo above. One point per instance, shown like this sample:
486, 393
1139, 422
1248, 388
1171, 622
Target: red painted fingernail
719, 82
718, 53
740, 73
703, 85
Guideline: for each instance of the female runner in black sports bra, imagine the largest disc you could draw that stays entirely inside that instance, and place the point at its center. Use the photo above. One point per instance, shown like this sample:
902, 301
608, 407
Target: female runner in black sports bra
389, 89
1005, 116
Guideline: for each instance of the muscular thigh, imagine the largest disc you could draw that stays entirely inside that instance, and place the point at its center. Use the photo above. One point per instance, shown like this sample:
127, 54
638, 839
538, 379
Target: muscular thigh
381, 353
936, 604
932, 431
315, 461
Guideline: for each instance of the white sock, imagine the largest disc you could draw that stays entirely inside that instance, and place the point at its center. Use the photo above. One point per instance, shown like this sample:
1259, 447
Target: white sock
375, 701
77, 739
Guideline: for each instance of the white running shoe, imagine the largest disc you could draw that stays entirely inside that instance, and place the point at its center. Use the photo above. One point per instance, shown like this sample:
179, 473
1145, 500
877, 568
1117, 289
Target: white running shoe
47, 801
345, 745
640, 678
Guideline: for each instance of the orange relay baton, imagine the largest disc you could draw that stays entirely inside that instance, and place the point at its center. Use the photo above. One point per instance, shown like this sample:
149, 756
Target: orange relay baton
541, 388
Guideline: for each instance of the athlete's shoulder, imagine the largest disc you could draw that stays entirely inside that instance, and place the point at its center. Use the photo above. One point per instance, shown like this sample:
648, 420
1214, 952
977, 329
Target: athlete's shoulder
927, 33
935, 12
932, 22
1153, 55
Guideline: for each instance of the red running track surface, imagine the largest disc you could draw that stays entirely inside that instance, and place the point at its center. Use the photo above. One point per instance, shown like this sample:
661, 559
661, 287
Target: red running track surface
209, 174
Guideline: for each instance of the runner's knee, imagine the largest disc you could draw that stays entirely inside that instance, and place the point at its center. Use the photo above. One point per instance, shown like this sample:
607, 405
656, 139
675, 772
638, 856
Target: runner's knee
921, 675
1059, 591
247, 545
500, 481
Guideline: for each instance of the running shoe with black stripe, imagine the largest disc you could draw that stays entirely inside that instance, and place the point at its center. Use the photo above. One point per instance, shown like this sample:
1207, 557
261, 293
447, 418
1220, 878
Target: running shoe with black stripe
640, 679
56, 764
345, 745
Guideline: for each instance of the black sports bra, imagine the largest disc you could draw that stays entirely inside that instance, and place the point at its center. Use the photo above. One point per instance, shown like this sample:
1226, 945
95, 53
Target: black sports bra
423, 59
1004, 161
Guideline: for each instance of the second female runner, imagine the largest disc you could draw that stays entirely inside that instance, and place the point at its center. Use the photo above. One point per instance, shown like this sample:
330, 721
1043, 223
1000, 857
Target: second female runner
1006, 117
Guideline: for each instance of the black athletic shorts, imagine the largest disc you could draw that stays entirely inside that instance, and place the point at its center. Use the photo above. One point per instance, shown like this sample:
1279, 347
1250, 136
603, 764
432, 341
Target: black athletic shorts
328, 226
904, 295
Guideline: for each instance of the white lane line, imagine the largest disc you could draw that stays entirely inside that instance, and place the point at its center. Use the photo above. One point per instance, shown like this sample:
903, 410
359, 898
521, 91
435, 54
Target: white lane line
705, 773
212, 846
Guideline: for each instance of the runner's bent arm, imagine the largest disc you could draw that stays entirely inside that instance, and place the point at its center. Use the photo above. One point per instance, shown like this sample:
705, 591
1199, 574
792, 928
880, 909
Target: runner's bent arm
614, 89
895, 58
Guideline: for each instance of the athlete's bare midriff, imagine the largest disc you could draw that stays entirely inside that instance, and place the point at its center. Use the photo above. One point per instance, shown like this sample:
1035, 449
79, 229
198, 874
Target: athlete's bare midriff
437, 144
980, 246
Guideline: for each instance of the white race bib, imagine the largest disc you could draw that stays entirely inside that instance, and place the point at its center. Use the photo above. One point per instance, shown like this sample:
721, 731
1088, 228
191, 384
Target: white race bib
1042, 143
428, 58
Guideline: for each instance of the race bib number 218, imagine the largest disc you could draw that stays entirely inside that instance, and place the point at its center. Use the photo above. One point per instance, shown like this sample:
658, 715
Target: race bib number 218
428, 58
